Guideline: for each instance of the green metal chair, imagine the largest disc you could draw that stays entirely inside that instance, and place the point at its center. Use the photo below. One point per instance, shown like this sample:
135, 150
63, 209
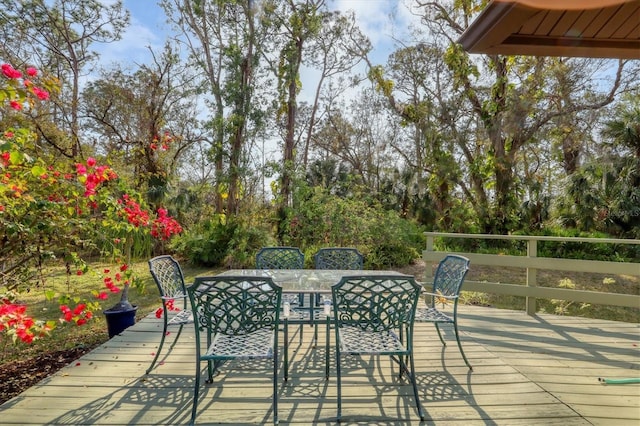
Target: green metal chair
239, 316
373, 315
280, 258
447, 283
299, 313
167, 274
338, 258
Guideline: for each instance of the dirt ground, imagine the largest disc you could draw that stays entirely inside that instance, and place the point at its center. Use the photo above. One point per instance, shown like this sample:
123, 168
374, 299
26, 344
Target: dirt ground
17, 376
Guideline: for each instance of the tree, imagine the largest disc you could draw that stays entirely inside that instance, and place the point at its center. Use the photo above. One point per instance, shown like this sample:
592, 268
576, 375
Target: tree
222, 40
53, 210
293, 24
510, 103
336, 50
145, 121
58, 36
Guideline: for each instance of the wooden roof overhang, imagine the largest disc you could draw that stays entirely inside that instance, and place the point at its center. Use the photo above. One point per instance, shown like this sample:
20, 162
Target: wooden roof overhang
581, 28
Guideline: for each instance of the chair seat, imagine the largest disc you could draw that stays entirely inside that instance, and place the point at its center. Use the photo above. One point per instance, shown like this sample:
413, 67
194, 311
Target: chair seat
246, 346
355, 340
183, 317
427, 314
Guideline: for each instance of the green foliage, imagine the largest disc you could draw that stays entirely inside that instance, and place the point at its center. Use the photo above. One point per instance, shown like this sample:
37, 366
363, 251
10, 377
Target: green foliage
604, 194
220, 241
244, 245
590, 251
206, 244
321, 219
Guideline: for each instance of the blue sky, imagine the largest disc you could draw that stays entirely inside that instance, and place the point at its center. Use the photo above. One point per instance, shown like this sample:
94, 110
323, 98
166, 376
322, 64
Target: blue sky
380, 20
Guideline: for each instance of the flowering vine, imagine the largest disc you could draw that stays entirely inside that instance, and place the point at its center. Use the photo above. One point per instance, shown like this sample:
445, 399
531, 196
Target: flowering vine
51, 209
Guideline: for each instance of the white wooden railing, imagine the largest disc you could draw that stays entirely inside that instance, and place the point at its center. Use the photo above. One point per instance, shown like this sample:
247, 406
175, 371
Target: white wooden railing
532, 263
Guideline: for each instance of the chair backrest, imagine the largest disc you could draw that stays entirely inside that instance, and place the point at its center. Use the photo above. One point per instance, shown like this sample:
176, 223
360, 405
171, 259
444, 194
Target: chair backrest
280, 258
167, 274
450, 275
375, 303
235, 306
338, 258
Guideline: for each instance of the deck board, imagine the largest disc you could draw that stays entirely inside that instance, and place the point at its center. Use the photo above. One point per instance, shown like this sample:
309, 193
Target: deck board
540, 370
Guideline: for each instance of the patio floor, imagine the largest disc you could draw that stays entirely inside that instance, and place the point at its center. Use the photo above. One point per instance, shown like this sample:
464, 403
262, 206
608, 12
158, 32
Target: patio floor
540, 370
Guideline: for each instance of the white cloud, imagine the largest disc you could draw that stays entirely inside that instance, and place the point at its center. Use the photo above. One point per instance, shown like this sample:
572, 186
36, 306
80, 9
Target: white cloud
146, 28
383, 21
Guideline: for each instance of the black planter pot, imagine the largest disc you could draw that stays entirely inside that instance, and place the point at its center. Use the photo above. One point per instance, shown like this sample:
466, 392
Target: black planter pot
119, 320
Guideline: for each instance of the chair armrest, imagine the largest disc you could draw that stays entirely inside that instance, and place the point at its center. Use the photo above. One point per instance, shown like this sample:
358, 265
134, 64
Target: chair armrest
441, 296
175, 296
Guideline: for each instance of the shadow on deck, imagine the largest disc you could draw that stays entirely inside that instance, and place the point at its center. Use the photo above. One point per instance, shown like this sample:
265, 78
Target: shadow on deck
527, 370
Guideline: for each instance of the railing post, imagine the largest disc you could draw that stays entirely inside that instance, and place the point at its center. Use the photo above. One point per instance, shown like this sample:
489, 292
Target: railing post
532, 275
428, 270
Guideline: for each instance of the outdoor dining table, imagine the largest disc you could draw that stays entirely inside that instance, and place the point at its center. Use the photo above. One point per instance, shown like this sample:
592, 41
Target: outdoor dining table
311, 291
308, 281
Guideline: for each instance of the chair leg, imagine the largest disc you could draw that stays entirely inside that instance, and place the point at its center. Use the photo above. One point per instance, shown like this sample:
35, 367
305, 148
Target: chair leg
275, 385
164, 334
339, 384
196, 390
286, 350
211, 368
440, 334
327, 348
412, 377
175, 340
466, 361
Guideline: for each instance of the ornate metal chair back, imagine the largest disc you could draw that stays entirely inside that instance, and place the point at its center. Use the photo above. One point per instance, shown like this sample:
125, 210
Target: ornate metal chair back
338, 258
280, 258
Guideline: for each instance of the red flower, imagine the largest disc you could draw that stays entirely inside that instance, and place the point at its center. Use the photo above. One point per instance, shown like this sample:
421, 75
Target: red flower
78, 310
32, 72
43, 95
16, 105
81, 169
10, 72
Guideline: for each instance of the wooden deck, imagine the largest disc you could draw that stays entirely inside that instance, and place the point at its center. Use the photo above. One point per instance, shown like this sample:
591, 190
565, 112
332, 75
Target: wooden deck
539, 370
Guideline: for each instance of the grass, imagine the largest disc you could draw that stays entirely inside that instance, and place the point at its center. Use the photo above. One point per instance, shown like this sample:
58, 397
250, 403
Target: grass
623, 284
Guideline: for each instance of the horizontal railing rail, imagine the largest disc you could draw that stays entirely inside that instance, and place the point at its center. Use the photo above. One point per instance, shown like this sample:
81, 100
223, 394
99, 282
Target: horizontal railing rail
531, 263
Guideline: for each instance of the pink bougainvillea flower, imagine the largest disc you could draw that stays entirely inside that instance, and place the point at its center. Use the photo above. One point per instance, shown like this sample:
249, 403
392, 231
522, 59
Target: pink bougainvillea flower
10, 72
43, 95
91, 161
102, 295
81, 169
32, 72
15, 105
